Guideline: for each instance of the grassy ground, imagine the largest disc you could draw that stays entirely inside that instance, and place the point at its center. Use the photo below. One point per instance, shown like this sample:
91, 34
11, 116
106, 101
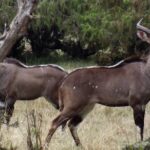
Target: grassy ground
103, 129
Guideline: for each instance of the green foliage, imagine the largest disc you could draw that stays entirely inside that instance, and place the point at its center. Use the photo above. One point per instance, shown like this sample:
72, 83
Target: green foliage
108, 56
100, 24
7, 11
97, 25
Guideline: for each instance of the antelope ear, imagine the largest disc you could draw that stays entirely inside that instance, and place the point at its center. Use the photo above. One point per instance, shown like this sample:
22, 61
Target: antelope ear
143, 36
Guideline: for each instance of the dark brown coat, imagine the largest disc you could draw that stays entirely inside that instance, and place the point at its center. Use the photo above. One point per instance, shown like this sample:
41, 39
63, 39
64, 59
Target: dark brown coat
21, 82
125, 84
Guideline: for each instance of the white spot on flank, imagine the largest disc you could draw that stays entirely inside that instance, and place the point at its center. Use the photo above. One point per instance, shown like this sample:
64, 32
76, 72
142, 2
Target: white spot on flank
96, 86
74, 88
89, 83
116, 90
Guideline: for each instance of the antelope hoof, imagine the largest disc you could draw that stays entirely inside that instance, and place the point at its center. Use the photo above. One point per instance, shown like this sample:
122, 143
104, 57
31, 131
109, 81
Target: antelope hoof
78, 144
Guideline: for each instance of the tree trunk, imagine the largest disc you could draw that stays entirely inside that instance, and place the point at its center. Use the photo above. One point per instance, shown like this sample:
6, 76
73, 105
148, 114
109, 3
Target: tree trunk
18, 26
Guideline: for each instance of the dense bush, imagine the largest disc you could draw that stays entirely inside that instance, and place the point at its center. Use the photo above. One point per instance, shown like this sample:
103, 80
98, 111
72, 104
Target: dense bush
7, 11
44, 39
84, 27
90, 26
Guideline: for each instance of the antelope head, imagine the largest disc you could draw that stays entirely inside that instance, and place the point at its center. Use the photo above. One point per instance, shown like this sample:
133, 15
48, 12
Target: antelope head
143, 32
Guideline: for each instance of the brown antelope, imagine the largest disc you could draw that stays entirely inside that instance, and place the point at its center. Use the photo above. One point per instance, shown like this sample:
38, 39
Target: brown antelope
21, 82
124, 84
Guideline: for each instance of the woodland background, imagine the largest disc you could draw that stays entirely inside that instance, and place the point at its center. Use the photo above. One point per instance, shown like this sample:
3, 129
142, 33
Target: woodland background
80, 29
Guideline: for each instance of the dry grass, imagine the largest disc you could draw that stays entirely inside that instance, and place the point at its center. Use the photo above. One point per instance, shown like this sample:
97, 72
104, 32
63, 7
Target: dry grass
103, 129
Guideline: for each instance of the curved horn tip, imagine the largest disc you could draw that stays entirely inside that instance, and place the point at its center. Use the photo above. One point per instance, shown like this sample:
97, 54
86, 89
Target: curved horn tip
139, 22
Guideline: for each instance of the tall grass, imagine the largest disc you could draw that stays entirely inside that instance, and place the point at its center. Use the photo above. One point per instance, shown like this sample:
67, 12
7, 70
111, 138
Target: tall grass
103, 129
34, 131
